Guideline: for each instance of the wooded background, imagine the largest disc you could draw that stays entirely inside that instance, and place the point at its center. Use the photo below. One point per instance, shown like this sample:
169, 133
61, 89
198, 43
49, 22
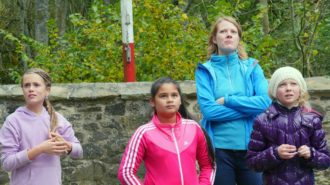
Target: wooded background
80, 40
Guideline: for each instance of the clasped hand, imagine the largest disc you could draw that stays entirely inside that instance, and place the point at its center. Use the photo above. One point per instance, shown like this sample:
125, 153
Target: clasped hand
286, 151
56, 145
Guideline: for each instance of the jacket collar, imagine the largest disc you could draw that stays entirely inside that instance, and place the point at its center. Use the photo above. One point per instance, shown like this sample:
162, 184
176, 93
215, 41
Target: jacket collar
247, 64
232, 58
275, 109
158, 124
167, 129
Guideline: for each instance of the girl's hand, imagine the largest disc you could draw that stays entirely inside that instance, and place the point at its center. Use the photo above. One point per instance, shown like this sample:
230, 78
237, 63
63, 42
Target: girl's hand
304, 151
59, 138
286, 151
51, 146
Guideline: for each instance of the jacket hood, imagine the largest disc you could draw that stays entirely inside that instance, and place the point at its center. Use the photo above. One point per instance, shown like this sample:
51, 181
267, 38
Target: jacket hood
28, 112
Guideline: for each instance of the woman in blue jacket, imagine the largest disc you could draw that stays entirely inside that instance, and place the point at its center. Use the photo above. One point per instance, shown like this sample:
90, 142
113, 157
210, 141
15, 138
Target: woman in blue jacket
231, 91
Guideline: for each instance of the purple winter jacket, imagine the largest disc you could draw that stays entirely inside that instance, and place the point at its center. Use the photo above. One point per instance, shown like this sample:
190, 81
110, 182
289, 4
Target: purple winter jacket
297, 126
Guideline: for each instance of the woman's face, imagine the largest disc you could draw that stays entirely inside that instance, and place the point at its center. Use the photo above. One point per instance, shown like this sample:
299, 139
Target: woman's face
226, 38
34, 90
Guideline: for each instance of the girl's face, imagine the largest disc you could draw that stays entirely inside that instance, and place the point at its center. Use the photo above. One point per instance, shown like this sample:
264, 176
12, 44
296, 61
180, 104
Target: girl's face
167, 102
288, 93
34, 90
226, 38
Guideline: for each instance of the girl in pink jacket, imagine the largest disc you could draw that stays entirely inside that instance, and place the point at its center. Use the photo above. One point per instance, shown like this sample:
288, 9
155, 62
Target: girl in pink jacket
169, 144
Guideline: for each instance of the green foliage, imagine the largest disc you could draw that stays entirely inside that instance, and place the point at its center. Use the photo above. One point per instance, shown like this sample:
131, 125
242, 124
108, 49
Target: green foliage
9, 72
89, 52
168, 42
169, 39
258, 44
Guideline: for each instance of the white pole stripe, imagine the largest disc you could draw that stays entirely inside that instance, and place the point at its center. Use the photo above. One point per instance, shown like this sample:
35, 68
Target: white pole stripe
127, 21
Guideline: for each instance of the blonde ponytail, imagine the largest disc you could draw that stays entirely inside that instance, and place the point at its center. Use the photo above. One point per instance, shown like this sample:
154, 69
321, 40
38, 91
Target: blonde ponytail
53, 117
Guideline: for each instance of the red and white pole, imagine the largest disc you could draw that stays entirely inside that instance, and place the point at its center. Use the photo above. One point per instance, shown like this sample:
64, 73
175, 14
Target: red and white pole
128, 40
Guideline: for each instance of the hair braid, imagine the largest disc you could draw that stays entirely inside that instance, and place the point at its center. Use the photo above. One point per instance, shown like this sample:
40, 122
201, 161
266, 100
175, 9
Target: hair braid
51, 111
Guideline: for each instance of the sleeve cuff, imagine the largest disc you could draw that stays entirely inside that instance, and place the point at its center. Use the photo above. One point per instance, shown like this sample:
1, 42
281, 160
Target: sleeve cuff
276, 154
226, 100
76, 151
23, 157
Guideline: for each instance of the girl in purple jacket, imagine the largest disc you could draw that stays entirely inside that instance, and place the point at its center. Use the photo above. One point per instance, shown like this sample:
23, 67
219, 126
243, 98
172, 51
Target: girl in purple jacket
288, 142
34, 137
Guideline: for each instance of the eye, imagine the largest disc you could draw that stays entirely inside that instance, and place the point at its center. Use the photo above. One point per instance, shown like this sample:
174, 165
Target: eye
162, 95
27, 85
233, 31
282, 84
36, 84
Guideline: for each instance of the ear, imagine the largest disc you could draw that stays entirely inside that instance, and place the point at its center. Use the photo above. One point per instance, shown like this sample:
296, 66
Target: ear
48, 91
214, 40
152, 102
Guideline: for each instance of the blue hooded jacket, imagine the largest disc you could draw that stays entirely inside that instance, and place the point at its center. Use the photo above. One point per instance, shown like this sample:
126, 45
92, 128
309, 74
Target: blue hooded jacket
237, 113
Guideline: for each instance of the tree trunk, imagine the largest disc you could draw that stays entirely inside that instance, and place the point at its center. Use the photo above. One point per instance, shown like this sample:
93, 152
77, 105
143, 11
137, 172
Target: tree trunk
22, 4
41, 18
61, 15
265, 20
24, 28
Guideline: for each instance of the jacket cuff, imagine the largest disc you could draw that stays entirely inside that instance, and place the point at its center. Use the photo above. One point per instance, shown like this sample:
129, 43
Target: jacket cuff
226, 100
275, 152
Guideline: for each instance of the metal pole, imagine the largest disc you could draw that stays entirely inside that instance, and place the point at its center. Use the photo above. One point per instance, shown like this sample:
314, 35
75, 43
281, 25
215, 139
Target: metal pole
128, 40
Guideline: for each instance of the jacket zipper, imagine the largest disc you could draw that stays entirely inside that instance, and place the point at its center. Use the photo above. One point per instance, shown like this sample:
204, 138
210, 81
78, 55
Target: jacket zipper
228, 73
178, 155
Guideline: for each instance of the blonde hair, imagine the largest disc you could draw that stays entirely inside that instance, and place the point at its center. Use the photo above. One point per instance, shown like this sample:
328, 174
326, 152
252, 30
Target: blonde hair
213, 48
303, 99
48, 82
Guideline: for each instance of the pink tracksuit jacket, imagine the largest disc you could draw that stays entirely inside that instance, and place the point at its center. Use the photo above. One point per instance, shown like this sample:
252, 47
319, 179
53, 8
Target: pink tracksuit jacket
169, 153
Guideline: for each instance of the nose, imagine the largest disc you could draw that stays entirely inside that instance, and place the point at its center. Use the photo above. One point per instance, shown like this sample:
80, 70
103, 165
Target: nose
288, 87
30, 88
170, 99
229, 35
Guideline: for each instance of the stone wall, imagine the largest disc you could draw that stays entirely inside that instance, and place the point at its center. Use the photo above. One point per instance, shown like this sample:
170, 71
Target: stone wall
104, 115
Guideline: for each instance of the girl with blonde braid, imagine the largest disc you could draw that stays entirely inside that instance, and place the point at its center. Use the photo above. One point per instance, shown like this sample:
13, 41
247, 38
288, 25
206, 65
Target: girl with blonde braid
34, 137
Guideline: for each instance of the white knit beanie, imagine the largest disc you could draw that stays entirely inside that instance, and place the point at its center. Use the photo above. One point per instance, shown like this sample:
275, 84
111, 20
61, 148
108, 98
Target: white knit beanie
284, 73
